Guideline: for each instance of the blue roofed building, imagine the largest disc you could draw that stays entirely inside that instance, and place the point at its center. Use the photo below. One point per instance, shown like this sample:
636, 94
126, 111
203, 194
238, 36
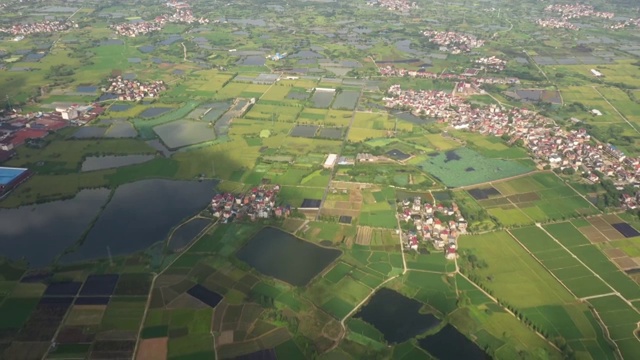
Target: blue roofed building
10, 177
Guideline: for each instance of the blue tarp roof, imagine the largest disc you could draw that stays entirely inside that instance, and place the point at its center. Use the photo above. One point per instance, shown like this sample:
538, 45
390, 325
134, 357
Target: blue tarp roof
8, 174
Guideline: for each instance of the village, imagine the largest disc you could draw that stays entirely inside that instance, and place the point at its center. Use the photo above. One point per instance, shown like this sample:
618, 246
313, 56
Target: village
556, 24
624, 24
182, 14
133, 90
44, 27
575, 11
467, 76
491, 63
258, 203
552, 146
441, 225
394, 5
453, 42
17, 129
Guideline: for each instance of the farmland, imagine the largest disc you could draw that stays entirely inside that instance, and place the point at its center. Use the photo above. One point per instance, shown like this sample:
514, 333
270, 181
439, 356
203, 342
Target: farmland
467, 218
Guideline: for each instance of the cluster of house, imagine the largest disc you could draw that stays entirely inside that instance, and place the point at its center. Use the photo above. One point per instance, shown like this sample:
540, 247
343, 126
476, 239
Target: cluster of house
184, 16
548, 143
17, 128
38, 27
258, 203
134, 90
394, 5
624, 24
430, 226
391, 71
556, 24
453, 42
491, 63
133, 29
574, 11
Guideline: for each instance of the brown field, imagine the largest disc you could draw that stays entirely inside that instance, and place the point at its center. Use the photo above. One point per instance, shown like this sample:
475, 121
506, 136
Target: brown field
615, 253
592, 234
526, 197
186, 301
216, 321
612, 219
26, 350
605, 228
340, 212
625, 263
364, 235
86, 315
226, 337
153, 349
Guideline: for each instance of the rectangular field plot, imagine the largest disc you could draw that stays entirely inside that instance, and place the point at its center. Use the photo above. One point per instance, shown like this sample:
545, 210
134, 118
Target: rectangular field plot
547, 305
556, 259
274, 112
346, 100
620, 319
539, 197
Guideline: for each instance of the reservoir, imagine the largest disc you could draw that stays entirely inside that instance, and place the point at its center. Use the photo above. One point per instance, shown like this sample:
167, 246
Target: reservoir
41, 232
141, 214
279, 254
396, 316
439, 345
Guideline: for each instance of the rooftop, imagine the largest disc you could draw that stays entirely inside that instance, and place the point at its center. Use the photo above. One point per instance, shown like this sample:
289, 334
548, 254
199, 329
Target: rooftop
8, 174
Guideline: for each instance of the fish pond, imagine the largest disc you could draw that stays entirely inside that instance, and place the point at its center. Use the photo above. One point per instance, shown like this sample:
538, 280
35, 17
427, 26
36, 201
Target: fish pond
141, 214
184, 234
276, 253
440, 345
322, 99
41, 232
396, 316
154, 111
93, 163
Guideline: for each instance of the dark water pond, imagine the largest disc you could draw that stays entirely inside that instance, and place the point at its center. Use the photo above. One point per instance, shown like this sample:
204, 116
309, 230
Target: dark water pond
279, 254
396, 316
451, 156
141, 214
41, 232
93, 163
450, 344
186, 232
87, 89
154, 111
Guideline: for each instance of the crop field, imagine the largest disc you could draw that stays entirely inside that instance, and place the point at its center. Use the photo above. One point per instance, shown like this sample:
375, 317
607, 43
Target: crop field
463, 167
241, 90
207, 82
273, 112
331, 232
518, 273
589, 95
621, 322
539, 197
491, 146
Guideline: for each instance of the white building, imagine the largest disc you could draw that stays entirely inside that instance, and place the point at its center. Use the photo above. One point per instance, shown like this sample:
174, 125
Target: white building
331, 161
596, 73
